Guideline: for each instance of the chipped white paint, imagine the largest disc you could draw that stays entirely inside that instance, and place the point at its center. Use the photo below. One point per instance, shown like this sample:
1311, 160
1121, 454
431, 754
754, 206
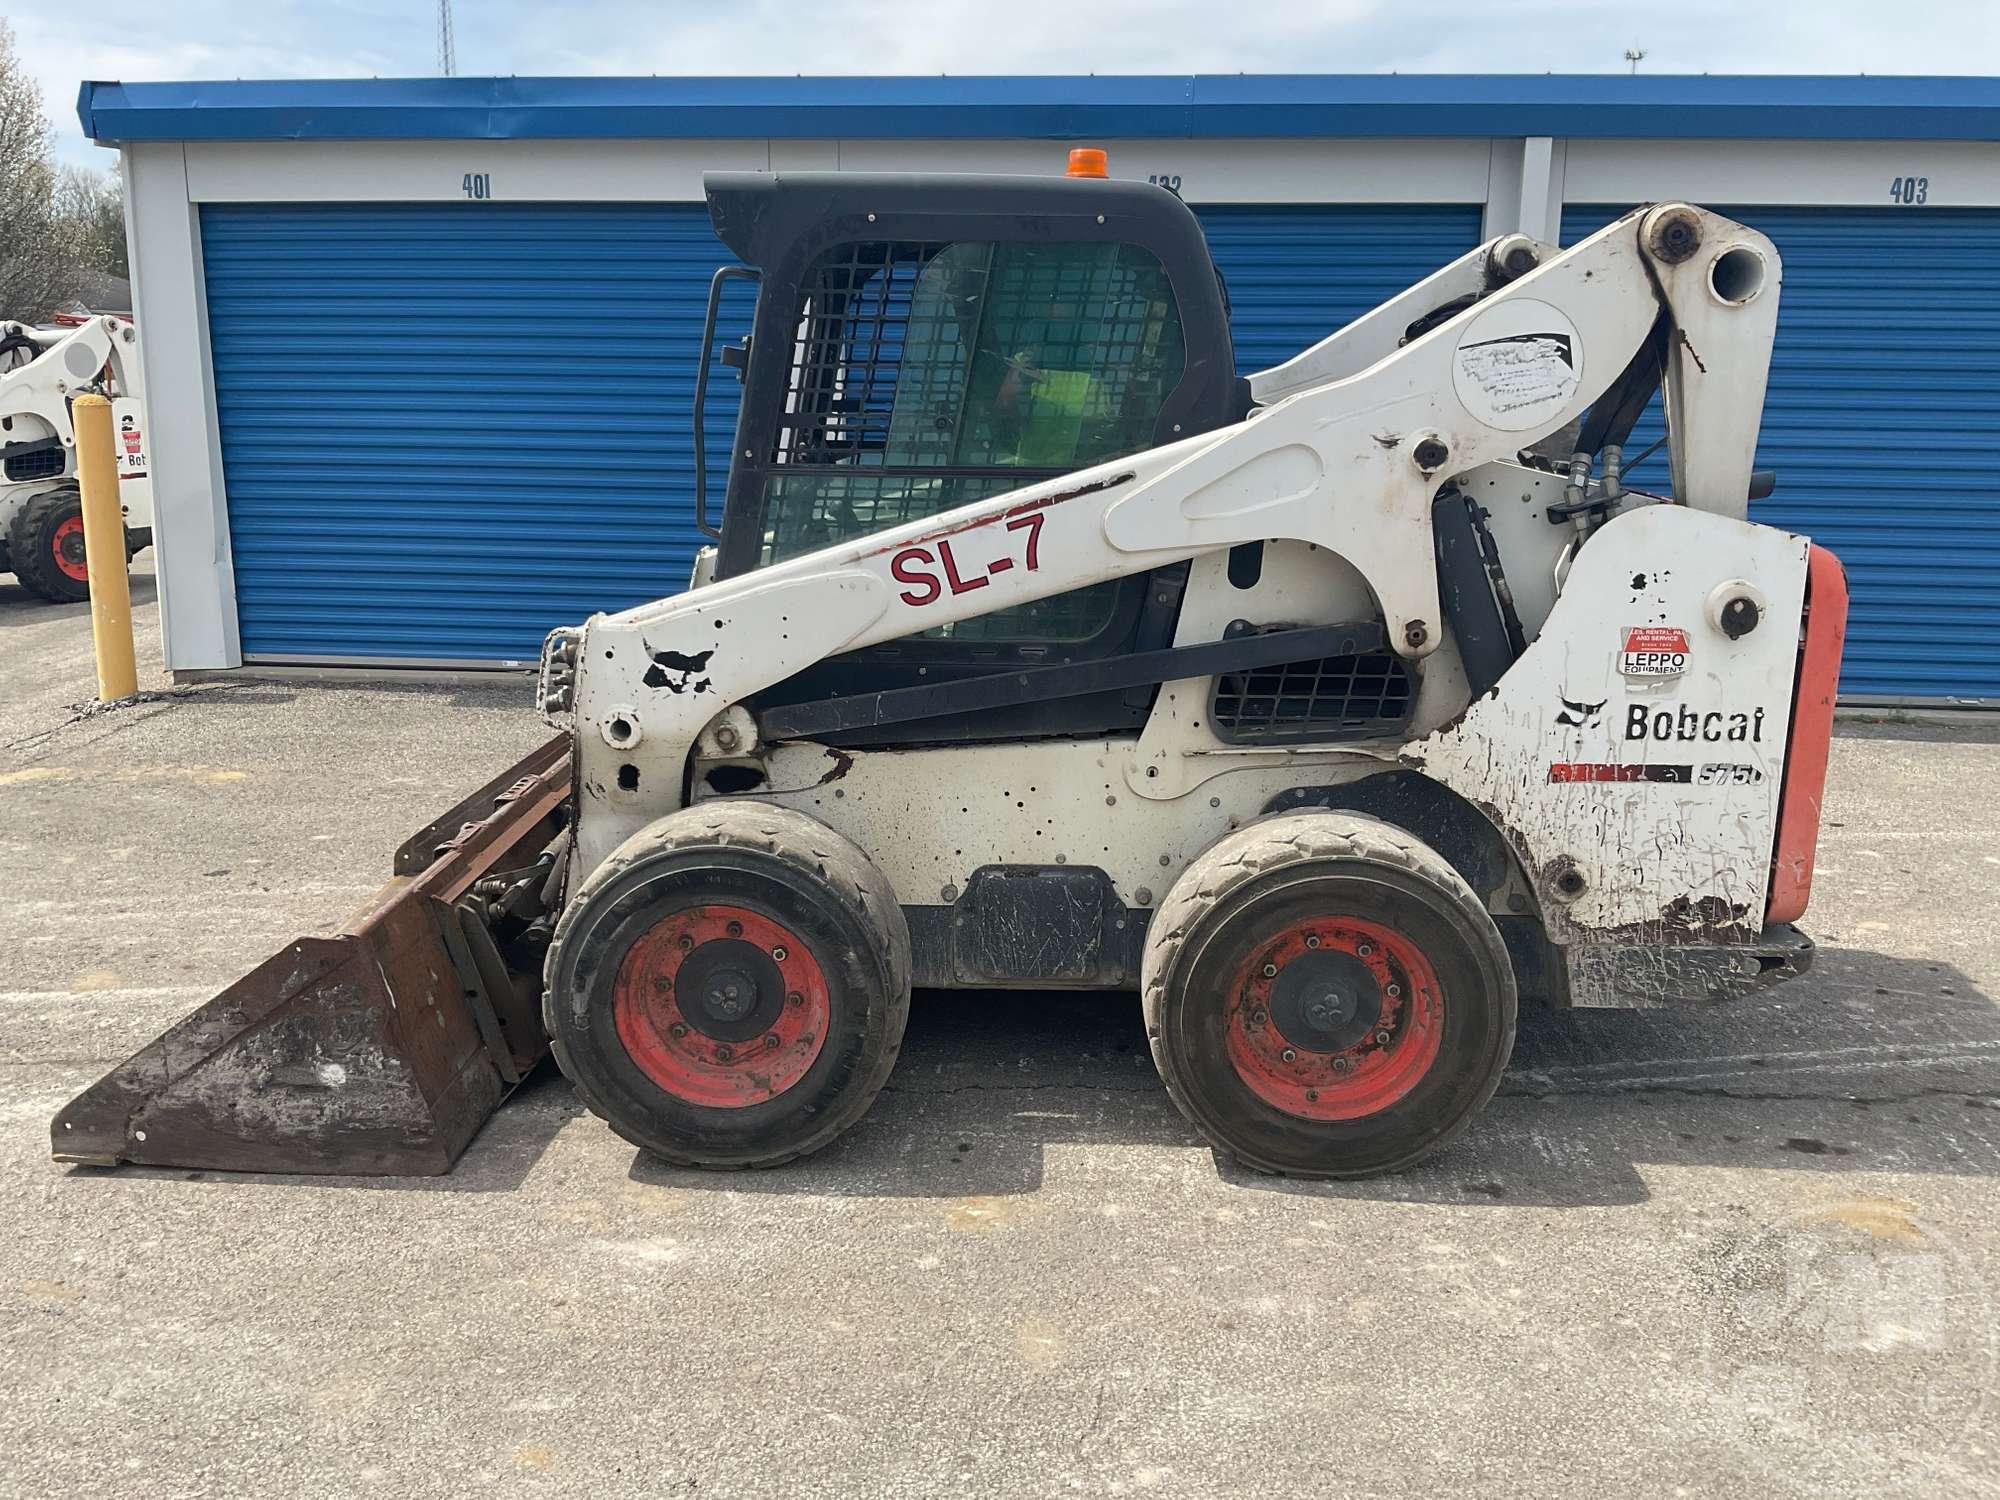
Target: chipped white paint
1699, 845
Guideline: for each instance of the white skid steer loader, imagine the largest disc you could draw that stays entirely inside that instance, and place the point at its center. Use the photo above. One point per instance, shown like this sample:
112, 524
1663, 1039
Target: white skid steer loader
41, 510
1039, 649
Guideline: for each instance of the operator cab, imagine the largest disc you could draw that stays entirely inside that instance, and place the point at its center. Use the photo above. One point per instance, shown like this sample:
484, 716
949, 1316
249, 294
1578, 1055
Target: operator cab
920, 342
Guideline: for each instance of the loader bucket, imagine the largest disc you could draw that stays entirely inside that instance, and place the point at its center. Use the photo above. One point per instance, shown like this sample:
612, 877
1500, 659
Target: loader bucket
380, 1050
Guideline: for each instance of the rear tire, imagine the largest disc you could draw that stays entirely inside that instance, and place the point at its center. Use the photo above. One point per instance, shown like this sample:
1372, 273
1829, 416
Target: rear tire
45, 546
1326, 997
730, 987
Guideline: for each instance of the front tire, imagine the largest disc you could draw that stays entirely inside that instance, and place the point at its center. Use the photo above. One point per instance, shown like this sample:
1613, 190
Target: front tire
1326, 997
45, 547
730, 987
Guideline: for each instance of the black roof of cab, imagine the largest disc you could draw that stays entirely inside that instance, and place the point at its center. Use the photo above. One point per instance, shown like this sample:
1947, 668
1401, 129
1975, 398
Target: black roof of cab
759, 215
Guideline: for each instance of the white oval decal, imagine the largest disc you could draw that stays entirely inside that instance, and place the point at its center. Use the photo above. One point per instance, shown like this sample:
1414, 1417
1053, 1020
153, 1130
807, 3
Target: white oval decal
1517, 364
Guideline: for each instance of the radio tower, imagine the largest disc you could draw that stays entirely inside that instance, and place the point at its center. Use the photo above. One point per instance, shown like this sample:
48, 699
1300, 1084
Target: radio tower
447, 58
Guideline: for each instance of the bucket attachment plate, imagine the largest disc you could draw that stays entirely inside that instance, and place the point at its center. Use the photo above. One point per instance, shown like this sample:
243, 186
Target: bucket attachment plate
380, 1050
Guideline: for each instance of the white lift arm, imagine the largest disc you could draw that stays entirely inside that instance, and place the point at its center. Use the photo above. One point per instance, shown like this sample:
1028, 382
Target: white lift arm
66, 366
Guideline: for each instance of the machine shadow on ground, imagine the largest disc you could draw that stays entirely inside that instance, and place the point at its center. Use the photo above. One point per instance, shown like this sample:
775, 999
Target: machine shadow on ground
1870, 1063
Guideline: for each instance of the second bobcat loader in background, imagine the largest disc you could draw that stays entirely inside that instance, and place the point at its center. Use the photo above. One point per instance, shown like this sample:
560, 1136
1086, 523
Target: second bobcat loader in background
41, 509
1038, 648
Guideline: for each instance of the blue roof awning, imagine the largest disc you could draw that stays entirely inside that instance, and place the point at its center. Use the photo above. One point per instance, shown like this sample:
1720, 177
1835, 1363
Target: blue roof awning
1100, 108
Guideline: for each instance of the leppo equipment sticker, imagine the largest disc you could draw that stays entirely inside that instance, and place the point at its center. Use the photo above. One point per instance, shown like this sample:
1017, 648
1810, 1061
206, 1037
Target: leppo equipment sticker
1654, 651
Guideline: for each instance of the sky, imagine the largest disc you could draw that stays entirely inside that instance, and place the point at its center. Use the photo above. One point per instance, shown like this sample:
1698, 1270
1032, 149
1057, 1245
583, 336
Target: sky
134, 40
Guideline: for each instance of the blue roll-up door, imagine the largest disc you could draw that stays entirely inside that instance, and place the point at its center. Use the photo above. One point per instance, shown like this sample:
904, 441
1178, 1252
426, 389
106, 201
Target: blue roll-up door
447, 429
1296, 273
1883, 423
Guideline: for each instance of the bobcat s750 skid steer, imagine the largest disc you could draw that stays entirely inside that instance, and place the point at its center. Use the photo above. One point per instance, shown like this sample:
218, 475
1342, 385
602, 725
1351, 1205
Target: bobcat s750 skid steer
41, 509
1039, 648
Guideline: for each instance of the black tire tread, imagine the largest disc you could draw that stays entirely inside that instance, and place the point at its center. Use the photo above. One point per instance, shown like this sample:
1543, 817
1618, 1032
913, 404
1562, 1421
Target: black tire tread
1291, 838
34, 566
802, 842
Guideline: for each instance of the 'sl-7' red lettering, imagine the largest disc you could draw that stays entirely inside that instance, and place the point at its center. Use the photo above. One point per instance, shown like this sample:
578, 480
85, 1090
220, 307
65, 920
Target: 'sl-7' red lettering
916, 565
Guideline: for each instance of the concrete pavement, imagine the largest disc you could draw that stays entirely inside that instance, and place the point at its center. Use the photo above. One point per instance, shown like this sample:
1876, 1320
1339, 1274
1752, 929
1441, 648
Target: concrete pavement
1681, 1253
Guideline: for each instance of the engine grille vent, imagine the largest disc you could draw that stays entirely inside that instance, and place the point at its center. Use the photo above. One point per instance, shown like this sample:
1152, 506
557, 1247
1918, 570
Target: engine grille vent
1335, 697
35, 463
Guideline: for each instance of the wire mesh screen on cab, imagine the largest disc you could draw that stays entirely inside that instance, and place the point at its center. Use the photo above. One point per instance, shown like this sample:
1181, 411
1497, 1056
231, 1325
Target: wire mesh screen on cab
924, 376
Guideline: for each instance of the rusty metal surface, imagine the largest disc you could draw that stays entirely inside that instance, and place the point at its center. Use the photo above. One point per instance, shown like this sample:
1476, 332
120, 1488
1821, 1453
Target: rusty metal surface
362, 1053
421, 848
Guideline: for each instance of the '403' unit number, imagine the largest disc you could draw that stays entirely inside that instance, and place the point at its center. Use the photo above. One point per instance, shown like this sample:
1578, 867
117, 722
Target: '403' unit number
1910, 191
930, 572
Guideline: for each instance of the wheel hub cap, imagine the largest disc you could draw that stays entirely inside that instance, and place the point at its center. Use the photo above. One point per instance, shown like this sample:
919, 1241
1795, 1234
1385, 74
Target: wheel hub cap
729, 989
1325, 1001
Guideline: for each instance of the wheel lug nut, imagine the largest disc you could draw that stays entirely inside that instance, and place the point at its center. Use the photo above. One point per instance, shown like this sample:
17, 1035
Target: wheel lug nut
779, 953
771, 1041
679, 1029
1270, 971
1289, 1055
1340, 1065
1394, 991
735, 929
725, 1053
1312, 940
795, 998
1312, 1094
1365, 949
1381, 1038
1256, 1018
687, 944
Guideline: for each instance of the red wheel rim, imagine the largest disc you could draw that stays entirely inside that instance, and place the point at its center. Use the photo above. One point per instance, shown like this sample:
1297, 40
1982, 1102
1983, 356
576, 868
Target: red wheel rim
756, 1006
1334, 1019
67, 546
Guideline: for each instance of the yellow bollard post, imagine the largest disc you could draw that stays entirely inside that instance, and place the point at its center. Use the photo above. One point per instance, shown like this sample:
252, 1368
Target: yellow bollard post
104, 549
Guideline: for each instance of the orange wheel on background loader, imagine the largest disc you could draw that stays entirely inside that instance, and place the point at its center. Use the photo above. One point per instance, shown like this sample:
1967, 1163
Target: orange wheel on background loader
1326, 997
730, 987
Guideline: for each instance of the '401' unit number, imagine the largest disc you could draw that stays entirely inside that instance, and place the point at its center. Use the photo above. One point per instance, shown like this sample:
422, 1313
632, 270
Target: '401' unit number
930, 572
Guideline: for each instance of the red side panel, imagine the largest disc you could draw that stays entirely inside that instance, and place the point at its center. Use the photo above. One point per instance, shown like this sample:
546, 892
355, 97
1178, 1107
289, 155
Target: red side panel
1812, 734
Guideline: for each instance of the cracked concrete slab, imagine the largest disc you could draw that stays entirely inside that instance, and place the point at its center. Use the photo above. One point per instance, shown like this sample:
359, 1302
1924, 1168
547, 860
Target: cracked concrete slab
1750, 1248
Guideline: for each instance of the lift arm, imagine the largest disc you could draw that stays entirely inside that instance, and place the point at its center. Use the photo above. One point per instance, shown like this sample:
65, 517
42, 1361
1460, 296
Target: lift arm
64, 368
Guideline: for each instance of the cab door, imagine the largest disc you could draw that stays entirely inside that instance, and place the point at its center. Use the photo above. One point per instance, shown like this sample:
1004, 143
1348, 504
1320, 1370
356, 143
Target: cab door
892, 379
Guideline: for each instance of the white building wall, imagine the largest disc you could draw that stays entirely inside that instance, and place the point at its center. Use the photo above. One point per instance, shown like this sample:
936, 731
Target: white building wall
190, 516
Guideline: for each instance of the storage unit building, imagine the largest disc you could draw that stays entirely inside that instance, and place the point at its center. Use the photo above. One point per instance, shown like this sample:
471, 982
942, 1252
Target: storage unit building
422, 353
